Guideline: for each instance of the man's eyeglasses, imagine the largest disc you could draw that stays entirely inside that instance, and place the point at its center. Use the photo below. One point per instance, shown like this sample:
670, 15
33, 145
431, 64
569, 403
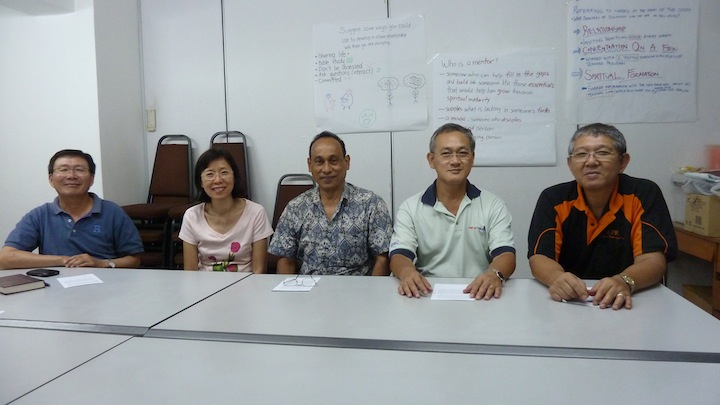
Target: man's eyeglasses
298, 281
446, 156
599, 155
210, 175
66, 170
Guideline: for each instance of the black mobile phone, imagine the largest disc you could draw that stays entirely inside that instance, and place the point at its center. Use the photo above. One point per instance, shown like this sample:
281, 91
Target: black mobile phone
42, 272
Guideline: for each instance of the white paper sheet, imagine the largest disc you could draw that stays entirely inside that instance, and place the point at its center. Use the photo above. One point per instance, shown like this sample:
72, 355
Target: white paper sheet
450, 292
296, 288
587, 302
75, 281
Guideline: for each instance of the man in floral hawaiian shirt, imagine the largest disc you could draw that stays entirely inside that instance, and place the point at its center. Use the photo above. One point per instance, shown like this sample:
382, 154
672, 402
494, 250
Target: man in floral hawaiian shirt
336, 227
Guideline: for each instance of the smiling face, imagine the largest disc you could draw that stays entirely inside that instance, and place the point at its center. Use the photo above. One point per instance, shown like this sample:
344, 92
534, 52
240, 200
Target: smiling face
452, 157
592, 166
327, 165
217, 179
71, 177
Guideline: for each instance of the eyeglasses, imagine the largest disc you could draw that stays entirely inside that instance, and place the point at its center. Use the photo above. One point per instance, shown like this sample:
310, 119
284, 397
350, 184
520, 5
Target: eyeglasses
66, 170
599, 155
210, 175
446, 156
300, 282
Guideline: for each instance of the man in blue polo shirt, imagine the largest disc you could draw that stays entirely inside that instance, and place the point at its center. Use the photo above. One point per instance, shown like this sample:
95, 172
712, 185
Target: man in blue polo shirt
452, 229
78, 229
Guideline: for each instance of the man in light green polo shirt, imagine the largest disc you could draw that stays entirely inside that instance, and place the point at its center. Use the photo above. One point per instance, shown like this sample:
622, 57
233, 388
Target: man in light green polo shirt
452, 229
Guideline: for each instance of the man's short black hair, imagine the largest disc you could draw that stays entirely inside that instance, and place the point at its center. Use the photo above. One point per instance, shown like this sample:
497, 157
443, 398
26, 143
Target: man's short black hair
72, 153
327, 134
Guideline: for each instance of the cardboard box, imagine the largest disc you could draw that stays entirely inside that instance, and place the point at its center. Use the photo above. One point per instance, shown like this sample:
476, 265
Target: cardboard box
702, 214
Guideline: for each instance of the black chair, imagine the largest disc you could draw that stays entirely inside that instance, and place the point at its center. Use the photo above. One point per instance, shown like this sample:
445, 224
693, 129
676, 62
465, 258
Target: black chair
170, 186
289, 186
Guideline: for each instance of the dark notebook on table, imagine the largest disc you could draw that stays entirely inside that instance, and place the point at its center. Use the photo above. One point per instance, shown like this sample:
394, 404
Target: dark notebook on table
19, 282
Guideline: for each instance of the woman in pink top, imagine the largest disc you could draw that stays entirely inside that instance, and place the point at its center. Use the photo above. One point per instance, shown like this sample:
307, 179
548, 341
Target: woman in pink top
225, 232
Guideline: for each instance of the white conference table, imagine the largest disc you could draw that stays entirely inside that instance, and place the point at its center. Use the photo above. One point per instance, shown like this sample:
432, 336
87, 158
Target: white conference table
30, 358
367, 312
146, 370
128, 301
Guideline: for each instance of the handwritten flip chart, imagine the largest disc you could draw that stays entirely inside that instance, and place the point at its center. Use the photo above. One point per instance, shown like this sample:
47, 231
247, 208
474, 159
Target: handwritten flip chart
506, 98
370, 76
632, 61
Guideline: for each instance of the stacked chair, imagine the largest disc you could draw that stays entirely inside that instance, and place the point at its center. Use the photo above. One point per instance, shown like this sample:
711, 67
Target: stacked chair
289, 186
171, 185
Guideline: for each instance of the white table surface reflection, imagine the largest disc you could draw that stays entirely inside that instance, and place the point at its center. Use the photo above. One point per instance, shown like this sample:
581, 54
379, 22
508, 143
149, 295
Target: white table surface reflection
145, 370
32, 357
129, 301
368, 312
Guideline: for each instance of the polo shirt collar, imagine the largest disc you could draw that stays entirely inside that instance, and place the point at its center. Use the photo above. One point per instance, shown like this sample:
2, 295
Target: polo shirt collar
96, 208
430, 195
614, 204
346, 194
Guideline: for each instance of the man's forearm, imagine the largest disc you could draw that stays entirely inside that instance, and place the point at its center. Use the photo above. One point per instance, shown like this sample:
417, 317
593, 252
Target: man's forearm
127, 261
647, 270
286, 265
11, 258
504, 263
545, 269
381, 266
400, 266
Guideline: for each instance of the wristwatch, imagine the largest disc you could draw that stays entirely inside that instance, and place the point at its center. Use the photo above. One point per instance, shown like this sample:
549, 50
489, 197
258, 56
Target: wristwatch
500, 276
111, 263
629, 281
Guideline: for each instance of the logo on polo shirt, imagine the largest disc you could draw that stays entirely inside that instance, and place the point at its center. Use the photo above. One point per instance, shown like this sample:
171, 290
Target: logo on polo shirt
480, 228
613, 234
96, 229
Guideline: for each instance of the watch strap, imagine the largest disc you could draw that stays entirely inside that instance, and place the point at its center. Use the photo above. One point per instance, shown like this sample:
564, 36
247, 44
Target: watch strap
500, 276
629, 281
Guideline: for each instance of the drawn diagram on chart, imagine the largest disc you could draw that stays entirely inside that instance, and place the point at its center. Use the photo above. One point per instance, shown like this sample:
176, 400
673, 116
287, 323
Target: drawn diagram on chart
347, 100
388, 84
370, 76
414, 81
329, 102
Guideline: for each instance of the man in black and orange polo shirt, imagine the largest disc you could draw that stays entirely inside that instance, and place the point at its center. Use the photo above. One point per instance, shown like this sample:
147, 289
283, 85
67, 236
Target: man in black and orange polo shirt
605, 225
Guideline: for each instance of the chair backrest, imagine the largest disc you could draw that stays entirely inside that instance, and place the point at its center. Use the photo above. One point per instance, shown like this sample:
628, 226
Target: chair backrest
172, 180
235, 143
289, 187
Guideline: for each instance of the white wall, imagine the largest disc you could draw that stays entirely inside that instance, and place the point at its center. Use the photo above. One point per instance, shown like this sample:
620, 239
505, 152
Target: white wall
183, 70
48, 102
120, 101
